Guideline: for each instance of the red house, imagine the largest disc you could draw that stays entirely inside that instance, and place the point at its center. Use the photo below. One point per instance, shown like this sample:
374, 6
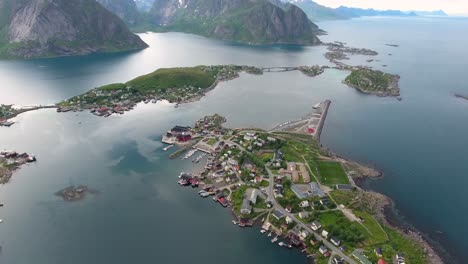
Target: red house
184, 137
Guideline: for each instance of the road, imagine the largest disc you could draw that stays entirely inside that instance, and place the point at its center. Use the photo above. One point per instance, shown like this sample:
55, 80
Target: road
329, 245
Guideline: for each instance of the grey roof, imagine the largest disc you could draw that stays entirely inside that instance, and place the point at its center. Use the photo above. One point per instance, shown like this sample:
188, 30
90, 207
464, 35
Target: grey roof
278, 214
316, 191
344, 187
246, 205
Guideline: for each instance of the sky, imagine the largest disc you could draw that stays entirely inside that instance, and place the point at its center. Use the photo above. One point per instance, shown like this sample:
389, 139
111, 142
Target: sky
452, 7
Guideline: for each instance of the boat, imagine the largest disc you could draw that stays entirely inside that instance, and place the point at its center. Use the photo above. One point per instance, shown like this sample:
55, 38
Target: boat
317, 106
168, 147
289, 246
1, 204
269, 234
281, 244
1, 220
263, 219
263, 231
234, 222
205, 194
202, 191
274, 239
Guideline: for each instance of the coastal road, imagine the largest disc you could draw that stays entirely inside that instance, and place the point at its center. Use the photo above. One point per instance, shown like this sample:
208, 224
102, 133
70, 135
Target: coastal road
278, 207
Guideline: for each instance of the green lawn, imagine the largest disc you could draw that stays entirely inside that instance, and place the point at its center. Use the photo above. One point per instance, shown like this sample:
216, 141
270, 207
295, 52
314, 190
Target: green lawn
173, 78
377, 235
331, 172
212, 141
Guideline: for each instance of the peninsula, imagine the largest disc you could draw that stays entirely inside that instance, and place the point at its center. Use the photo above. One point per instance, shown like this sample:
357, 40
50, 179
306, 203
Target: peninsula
304, 197
11, 161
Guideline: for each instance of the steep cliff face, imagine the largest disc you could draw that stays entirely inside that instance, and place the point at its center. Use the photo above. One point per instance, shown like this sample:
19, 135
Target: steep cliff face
40, 28
252, 21
125, 9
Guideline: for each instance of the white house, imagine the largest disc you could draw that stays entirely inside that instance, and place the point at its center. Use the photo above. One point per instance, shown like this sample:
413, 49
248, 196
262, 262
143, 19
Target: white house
304, 204
288, 220
325, 233
316, 225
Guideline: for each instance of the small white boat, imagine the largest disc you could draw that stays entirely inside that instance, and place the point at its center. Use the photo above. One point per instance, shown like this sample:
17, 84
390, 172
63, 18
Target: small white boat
274, 239
234, 222
281, 244
317, 106
263, 219
1, 220
263, 231
269, 234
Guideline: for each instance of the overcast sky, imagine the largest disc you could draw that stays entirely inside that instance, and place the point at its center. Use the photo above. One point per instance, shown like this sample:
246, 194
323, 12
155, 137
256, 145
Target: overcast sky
450, 6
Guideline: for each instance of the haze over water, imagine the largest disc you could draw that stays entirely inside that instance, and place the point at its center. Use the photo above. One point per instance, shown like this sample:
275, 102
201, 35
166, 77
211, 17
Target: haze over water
140, 214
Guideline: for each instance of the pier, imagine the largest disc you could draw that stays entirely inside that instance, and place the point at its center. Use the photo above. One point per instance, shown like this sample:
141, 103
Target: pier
325, 105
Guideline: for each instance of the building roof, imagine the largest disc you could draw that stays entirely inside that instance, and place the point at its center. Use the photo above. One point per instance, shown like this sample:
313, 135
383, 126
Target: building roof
246, 205
316, 191
381, 261
277, 214
358, 255
344, 187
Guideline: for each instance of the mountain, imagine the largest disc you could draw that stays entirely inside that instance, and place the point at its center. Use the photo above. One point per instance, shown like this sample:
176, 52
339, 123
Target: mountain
431, 13
46, 28
125, 9
359, 12
144, 5
317, 12
248, 21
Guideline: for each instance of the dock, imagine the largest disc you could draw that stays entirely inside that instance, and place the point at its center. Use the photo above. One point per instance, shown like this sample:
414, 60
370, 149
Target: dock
324, 107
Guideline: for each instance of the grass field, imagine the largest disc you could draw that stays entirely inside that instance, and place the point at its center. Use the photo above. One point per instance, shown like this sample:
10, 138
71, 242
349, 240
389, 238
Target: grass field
331, 172
173, 78
377, 235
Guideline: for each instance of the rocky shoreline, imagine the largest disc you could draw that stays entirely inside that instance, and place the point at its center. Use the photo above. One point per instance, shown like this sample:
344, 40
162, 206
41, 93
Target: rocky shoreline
386, 212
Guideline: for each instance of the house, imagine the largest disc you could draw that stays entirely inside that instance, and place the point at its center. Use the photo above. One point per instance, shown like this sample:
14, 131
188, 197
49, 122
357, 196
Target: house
335, 241
277, 214
313, 240
184, 137
378, 252
344, 187
304, 204
253, 196
303, 215
316, 190
288, 220
303, 234
338, 260
323, 249
316, 225
360, 256
246, 208
400, 259
381, 261
288, 209
325, 233
180, 129
324, 201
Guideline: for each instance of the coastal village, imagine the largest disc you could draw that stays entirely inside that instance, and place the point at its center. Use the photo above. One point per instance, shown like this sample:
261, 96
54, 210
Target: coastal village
283, 182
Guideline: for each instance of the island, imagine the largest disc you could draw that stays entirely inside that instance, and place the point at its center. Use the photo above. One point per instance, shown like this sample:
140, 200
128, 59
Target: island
301, 194
457, 95
11, 161
73, 193
374, 82
176, 85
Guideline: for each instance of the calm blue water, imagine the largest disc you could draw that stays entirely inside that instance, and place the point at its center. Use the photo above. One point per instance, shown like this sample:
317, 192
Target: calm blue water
140, 214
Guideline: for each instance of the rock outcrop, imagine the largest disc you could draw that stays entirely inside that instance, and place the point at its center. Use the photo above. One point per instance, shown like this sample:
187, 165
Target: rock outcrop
47, 28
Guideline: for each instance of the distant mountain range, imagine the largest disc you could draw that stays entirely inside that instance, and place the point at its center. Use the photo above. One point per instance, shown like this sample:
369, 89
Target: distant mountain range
47, 28
317, 12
